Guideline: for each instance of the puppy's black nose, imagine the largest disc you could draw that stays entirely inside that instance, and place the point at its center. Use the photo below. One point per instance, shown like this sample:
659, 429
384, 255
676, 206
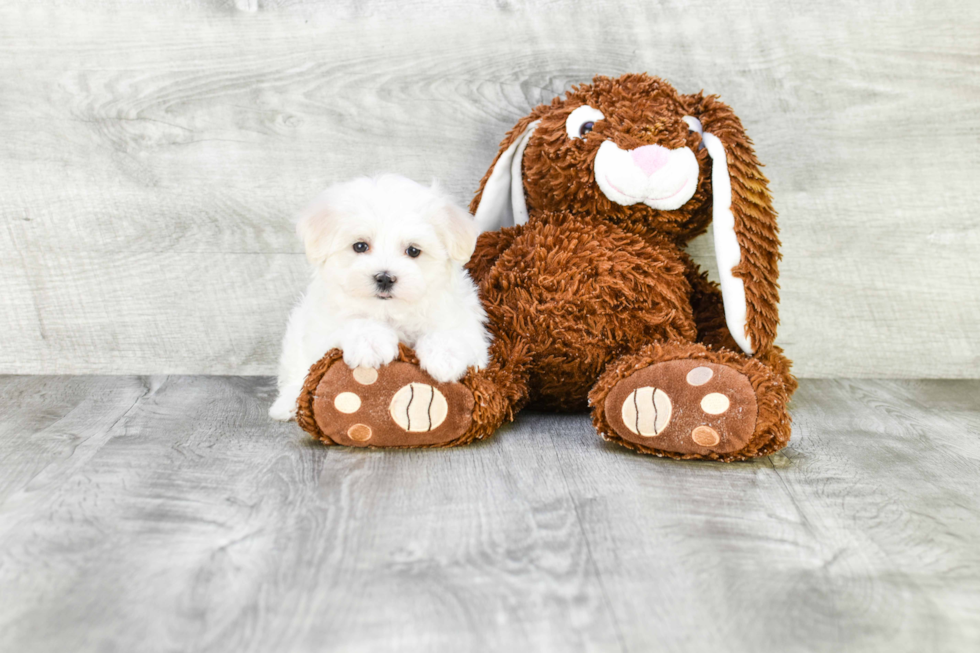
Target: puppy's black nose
384, 281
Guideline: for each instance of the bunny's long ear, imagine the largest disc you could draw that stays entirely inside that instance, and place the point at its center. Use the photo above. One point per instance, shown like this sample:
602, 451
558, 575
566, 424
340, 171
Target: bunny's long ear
500, 200
743, 224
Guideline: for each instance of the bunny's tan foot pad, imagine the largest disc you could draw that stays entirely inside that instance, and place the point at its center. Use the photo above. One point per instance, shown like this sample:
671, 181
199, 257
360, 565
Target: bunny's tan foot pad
688, 407
398, 405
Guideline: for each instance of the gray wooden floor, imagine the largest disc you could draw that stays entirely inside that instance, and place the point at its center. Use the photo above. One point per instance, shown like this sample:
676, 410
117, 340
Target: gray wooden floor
169, 514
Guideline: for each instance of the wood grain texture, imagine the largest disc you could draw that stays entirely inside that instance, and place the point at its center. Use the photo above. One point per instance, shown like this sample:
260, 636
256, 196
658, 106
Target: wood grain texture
153, 153
169, 514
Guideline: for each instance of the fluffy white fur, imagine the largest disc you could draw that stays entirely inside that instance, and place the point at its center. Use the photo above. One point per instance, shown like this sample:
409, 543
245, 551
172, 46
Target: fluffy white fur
432, 306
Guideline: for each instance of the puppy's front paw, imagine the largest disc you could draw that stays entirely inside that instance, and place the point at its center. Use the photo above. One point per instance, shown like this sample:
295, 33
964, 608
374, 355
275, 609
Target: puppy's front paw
370, 347
284, 407
446, 358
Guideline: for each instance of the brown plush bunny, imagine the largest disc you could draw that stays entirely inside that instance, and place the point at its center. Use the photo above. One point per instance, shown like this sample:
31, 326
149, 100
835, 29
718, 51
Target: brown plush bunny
592, 301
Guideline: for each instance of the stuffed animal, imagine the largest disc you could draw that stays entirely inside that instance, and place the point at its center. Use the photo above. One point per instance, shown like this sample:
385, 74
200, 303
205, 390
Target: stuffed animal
592, 301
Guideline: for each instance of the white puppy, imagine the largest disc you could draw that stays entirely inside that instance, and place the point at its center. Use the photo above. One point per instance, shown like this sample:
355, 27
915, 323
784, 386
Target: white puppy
388, 256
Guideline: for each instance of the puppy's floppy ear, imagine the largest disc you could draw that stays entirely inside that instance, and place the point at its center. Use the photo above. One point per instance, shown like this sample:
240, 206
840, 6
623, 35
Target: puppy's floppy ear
743, 223
500, 202
460, 232
317, 226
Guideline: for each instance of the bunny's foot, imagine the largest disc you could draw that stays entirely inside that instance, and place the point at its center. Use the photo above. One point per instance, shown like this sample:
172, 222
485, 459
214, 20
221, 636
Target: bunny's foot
396, 405
688, 401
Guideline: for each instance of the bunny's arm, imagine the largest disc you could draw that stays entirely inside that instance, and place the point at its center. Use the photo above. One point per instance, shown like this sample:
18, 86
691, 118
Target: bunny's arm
489, 246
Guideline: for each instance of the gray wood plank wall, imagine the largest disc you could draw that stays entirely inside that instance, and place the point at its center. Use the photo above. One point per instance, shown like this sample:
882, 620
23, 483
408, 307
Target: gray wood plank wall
152, 153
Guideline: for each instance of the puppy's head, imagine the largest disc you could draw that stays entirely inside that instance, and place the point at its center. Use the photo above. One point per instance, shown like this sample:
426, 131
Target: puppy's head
386, 238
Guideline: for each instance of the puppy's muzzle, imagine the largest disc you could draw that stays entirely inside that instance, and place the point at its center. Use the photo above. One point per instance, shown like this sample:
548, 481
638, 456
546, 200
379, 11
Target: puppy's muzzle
384, 282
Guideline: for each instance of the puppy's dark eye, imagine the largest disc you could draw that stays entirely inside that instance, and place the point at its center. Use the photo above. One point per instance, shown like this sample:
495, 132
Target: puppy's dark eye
360, 247
585, 128
413, 251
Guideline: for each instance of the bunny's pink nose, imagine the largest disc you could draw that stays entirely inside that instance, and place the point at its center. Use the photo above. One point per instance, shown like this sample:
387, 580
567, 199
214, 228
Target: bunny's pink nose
650, 158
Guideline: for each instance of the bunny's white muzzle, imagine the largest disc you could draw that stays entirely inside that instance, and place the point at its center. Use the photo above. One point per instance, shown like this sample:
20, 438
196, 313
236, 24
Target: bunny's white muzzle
660, 178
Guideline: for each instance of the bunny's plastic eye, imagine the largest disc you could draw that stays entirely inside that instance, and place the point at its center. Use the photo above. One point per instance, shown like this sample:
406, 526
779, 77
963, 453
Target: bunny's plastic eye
413, 251
360, 247
581, 121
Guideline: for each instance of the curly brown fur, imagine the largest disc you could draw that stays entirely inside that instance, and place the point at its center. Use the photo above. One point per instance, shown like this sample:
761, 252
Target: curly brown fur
573, 324
304, 405
709, 311
488, 248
